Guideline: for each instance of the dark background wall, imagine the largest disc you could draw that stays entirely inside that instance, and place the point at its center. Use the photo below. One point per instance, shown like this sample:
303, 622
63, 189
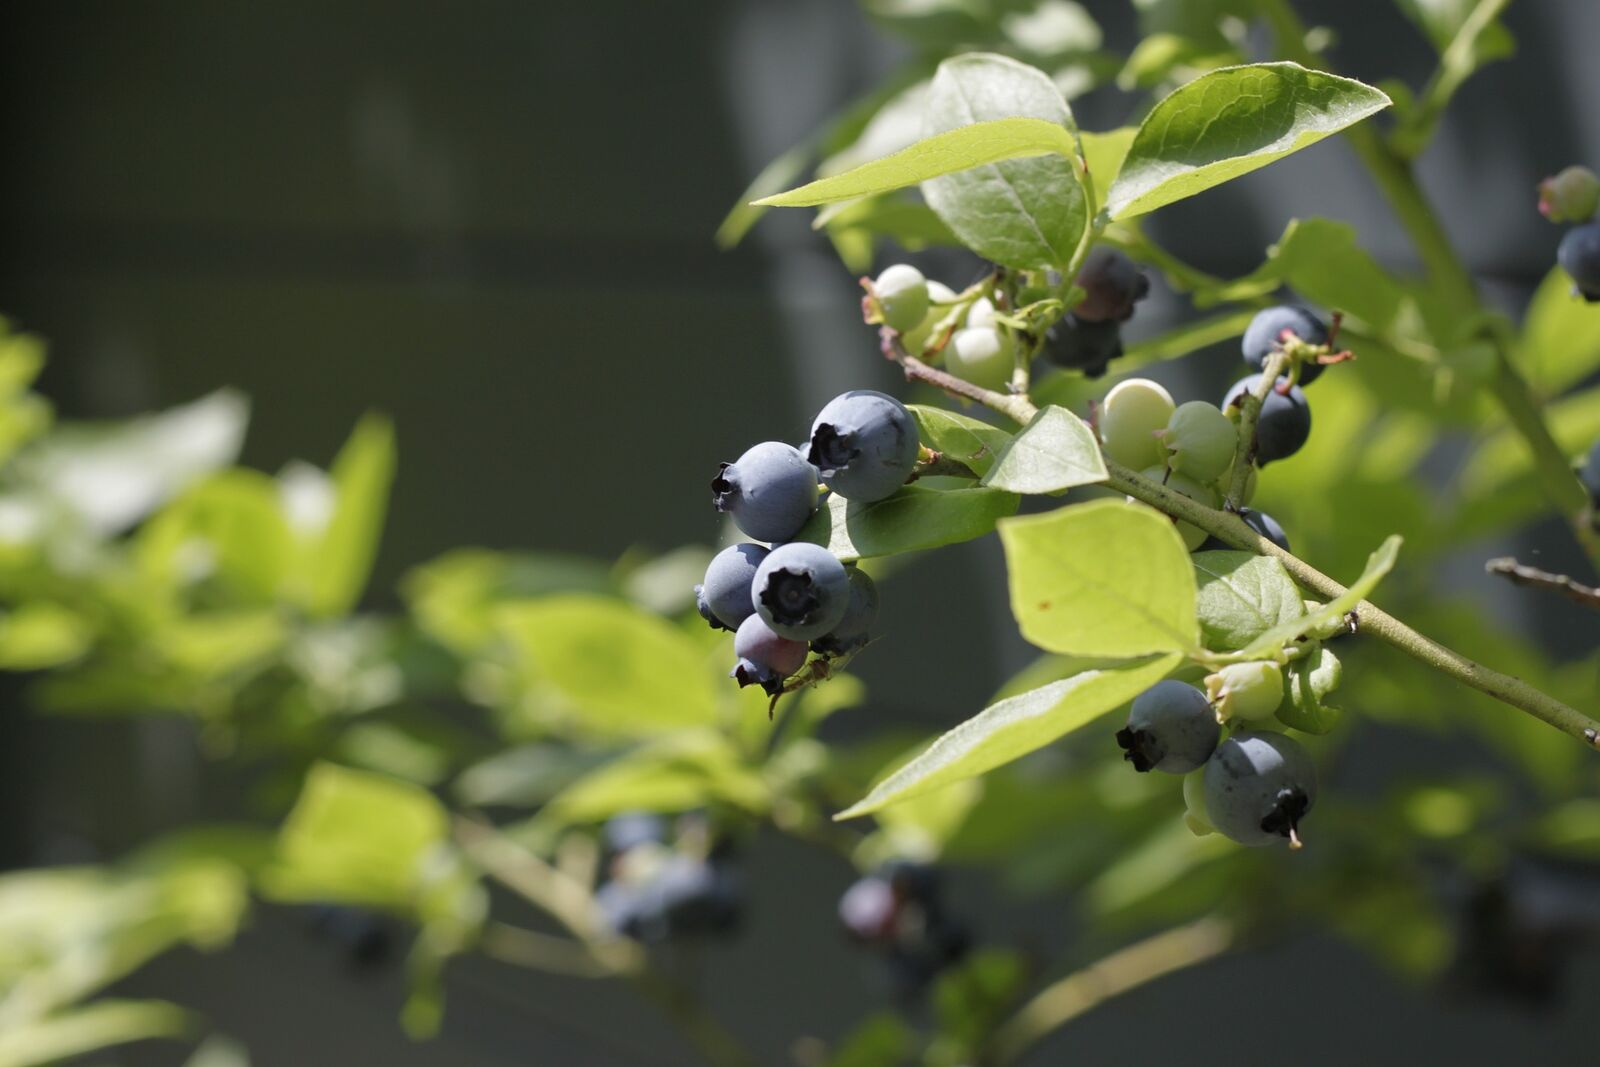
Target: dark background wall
493, 221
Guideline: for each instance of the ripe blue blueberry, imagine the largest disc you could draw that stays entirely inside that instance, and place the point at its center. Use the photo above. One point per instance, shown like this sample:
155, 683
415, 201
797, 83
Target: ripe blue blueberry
762, 657
1170, 728
1266, 526
1078, 344
801, 591
1284, 424
864, 444
1112, 285
724, 597
853, 630
770, 491
1579, 256
1266, 333
1259, 785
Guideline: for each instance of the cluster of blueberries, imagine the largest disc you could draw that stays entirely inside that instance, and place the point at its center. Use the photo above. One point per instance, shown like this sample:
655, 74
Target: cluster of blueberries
1253, 786
794, 596
1572, 196
899, 913
977, 342
1191, 447
656, 889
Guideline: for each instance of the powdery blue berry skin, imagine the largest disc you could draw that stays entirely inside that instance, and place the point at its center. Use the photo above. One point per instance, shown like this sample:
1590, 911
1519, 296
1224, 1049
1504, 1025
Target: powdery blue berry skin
723, 599
865, 445
1284, 425
1258, 786
1078, 344
1266, 526
855, 628
1171, 728
801, 591
634, 828
762, 657
1264, 334
1579, 256
1112, 284
770, 491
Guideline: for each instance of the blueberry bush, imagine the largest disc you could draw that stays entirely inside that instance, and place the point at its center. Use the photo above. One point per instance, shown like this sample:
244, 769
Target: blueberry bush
1202, 577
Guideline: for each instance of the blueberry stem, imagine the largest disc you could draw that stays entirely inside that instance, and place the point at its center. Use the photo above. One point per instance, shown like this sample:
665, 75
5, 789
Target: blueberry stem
1375, 622
1249, 412
1397, 181
1127, 969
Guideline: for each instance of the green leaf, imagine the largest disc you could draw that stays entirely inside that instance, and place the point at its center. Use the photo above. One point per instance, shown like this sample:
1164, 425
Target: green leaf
1443, 20
1230, 122
602, 667
782, 171
1103, 154
686, 771
1306, 682
882, 1039
961, 437
1055, 451
1378, 564
1241, 596
71, 1033
909, 223
977, 144
912, 519
228, 532
40, 634
1014, 727
1321, 259
1025, 213
357, 837
1560, 344
1105, 578
362, 475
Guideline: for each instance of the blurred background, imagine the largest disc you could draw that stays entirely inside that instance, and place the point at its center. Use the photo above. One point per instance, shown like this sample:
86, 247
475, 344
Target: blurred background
494, 221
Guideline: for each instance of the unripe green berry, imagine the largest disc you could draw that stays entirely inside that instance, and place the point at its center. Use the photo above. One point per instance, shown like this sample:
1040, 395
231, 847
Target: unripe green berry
915, 341
1130, 417
1200, 441
1194, 803
1570, 196
981, 313
1193, 536
902, 294
982, 355
1249, 691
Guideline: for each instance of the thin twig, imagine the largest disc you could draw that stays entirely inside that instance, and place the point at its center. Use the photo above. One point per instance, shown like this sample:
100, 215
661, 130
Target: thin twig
1522, 574
1126, 969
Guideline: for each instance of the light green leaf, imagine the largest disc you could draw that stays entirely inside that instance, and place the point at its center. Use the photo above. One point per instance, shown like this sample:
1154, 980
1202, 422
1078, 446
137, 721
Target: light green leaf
977, 144
218, 1051
1055, 451
356, 837
1014, 727
342, 561
602, 667
229, 531
961, 437
1024, 213
1306, 683
912, 519
686, 771
1560, 344
70, 1033
909, 223
1103, 154
1378, 564
1241, 596
1105, 578
40, 634
1230, 122
1322, 261
781, 172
